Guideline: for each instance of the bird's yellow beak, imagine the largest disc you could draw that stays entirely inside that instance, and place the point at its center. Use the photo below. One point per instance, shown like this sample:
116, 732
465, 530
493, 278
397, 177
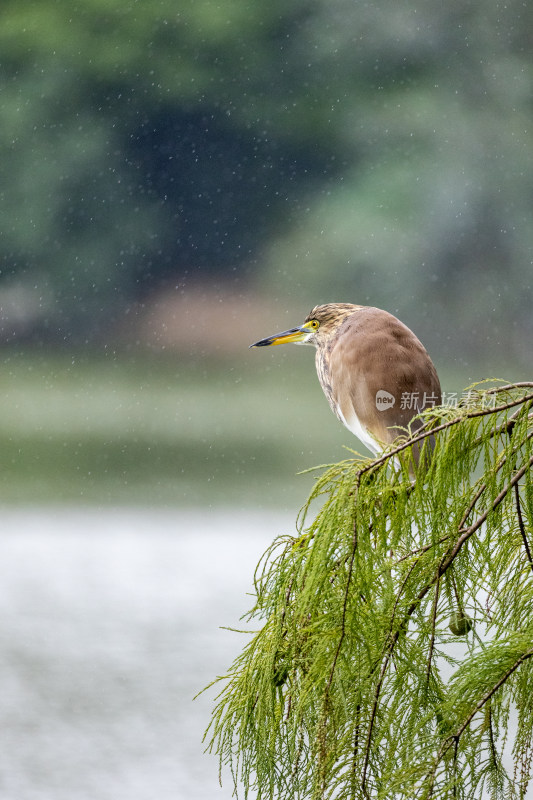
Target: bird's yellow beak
299, 334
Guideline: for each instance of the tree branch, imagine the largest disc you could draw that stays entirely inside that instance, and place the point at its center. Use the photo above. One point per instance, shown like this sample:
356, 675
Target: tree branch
521, 525
445, 425
454, 737
433, 625
377, 692
452, 555
481, 519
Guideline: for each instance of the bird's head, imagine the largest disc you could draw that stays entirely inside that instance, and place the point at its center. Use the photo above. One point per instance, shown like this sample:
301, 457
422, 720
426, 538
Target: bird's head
317, 328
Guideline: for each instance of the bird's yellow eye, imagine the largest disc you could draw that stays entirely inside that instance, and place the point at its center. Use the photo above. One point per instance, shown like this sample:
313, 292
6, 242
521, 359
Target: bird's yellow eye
314, 324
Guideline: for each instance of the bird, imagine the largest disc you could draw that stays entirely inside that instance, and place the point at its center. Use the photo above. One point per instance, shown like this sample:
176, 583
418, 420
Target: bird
376, 374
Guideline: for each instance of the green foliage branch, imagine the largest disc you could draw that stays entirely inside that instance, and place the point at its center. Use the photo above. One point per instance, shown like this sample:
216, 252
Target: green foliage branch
395, 657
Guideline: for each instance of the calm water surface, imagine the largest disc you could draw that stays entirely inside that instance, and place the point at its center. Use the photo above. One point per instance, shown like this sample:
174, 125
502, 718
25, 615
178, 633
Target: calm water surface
109, 624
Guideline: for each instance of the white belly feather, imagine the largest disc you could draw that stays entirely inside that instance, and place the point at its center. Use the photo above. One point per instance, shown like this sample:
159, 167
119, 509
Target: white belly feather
357, 429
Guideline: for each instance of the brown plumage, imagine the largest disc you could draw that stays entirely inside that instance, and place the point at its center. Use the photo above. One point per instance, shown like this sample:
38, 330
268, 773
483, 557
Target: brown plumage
374, 371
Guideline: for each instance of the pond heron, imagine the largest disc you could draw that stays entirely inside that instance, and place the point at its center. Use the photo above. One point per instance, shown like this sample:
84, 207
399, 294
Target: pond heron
374, 371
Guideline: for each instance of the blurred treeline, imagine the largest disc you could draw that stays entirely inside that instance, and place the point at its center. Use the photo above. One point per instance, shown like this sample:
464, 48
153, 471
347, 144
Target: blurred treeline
379, 152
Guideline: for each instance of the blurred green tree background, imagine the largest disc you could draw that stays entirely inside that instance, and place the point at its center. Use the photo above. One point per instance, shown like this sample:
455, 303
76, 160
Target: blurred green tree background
376, 152
188, 175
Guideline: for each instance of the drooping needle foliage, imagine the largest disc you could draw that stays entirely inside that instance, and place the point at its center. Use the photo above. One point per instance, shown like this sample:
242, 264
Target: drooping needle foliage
395, 657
